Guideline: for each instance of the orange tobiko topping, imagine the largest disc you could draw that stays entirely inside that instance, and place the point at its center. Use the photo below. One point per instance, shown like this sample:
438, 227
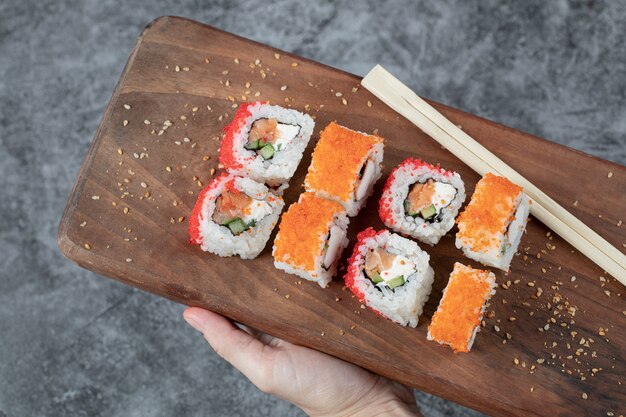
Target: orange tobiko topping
490, 210
461, 307
337, 160
302, 230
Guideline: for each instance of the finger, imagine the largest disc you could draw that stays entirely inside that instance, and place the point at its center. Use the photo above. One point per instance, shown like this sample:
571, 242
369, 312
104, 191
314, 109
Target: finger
242, 350
265, 338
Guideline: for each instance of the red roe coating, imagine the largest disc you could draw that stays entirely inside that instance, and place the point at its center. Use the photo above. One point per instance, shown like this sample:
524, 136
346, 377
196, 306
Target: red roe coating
195, 238
385, 205
356, 262
228, 156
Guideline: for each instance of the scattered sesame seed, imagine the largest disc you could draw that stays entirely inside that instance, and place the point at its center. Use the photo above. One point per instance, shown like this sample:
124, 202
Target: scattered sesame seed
369, 103
283, 88
144, 185
195, 109
287, 296
236, 61
177, 68
212, 171
95, 197
83, 224
126, 210
126, 106
206, 61
531, 284
584, 395
516, 361
147, 122
185, 69
338, 94
609, 175
129, 259
294, 64
125, 123
344, 101
120, 151
225, 72
87, 246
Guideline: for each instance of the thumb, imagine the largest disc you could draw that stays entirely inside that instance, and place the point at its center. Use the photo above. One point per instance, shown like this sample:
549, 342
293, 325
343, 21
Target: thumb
242, 350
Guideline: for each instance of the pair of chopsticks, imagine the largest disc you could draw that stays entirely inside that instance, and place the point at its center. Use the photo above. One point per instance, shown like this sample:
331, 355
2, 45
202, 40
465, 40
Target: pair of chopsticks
403, 100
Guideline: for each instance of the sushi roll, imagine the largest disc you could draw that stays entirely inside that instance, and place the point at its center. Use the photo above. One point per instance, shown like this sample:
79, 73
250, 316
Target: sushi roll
391, 275
492, 224
311, 237
461, 309
234, 216
345, 166
421, 200
265, 142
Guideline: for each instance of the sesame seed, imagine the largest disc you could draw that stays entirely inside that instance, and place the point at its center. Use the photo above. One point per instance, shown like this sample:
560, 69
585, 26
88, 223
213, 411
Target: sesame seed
126, 210
177, 68
87, 246
195, 109
609, 175
516, 361
225, 72
95, 197
369, 103
120, 151
212, 171
283, 88
186, 139
144, 185
344, 101
584, 395
185, 69
129, 259
206, 61
277, 56
294, 64
338, 94
147, 122
236, 61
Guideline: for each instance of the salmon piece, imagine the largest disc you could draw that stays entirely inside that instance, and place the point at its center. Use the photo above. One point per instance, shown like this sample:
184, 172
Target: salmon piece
378, 260
265, 130
421, 196
231, 204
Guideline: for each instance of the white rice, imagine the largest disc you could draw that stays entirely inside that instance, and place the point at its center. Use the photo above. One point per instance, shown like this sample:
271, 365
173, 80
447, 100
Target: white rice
319, 274
281, 167
396, 192
248, 244
494, 255
403, 304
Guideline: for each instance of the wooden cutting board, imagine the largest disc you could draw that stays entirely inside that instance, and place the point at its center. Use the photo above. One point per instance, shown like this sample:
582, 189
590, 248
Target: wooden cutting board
551, 344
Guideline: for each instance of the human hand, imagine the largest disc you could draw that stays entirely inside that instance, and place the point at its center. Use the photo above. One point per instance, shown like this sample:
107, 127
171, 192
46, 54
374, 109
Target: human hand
319, 384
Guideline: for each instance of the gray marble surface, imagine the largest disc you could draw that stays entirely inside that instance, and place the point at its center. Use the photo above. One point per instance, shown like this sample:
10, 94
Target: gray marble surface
76, 344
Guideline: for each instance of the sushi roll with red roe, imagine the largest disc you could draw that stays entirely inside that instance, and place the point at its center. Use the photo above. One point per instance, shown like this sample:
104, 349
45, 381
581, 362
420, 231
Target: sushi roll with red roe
391, 275
345, 166
311, 238
234, 216
461, 309
421, 200
265, 142
493, 223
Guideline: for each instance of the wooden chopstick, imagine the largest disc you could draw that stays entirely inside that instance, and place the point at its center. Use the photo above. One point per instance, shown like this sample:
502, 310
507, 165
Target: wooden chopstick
403, 100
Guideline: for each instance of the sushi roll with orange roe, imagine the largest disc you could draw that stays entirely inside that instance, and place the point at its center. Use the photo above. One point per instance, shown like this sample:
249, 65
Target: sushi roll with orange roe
492, 224
461, 309
265, 142
234, 216
345, 166
391, 275
421, 200
311, 238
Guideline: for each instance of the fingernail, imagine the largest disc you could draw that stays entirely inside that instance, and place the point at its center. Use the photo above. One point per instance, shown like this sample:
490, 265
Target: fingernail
192, 322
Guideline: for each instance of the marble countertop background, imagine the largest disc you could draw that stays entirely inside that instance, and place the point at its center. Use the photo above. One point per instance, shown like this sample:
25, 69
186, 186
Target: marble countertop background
76, 344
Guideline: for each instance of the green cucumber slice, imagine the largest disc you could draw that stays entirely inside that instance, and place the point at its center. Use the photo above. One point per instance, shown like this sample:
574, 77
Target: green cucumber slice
267, 152
407, 208
396, 282
237, 226
375, 277
254, 145
428, 212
